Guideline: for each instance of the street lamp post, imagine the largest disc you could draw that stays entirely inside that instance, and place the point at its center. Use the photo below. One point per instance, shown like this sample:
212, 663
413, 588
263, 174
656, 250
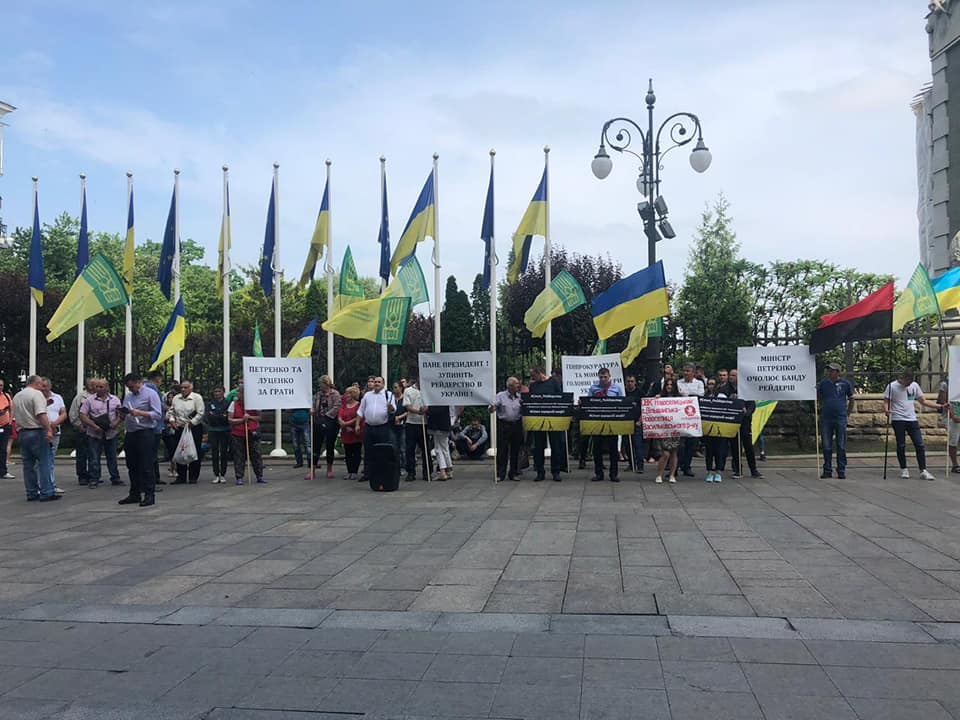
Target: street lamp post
619, 134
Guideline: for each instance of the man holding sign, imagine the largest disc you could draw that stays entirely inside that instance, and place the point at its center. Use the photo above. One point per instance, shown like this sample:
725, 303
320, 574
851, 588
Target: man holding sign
605, 443
543, 384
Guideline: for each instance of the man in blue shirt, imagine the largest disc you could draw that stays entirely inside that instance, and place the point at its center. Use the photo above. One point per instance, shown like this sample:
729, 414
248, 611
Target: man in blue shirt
141, 412
604, 387
836, 400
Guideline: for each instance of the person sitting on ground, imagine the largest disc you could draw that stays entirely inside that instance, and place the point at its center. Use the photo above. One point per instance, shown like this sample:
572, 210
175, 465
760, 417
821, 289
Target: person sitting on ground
472, 440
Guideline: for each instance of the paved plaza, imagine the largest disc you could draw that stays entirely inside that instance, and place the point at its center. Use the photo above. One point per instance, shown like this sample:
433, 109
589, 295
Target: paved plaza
786, 597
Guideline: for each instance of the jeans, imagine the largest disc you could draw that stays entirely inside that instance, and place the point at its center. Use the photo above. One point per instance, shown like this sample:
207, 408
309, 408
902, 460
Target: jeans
157, 440
37, 469
298, 436
717, 448
605, 445
138, 449
107, 446
219, 451
831, 426
463, 447
54, 446
416, 438
558, 451
352, 452
510, 439
902, 428
83, 457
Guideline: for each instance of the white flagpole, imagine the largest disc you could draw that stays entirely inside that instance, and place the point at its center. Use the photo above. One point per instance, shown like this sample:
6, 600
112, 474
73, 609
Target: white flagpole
548, 274
128, 338
32, 357
493, 320
278, 450
383, 283
81, 334
176, 259
437, 280
328, 269
225, 276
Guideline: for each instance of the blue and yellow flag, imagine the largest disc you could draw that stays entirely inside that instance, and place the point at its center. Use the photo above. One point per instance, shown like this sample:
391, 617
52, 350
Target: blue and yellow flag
947, 289
486, 232
383, 237
129, 250
98, 287
638, 340
257, 341
410, 283
534, 222
168, 249
422, 224
35, 274
631, 301
382, 320
225, 242
172, 339
563, 295
303, 347
269, 244
83, 242
320, 242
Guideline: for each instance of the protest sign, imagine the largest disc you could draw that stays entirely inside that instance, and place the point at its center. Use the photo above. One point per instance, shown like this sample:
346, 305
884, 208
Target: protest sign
457, 378
788, 372
953, 379
580, 371
607, 416
277, 383
546, 411
671, 417
720, 417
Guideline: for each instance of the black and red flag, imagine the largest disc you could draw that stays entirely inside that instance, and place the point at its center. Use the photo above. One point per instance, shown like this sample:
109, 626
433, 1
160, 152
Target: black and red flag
869, 319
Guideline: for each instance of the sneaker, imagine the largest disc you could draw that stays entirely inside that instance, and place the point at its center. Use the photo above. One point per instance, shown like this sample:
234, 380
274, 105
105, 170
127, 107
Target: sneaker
261, 481
658, 480
905, 474
216, 479
93, 485
736, 476
58, 491
756, 475
673, 478
763, 457
826, 475
926, 475
239, 481
841, 475
8, 476
954, 469
708, 477
329, 475
688, 473
717, 477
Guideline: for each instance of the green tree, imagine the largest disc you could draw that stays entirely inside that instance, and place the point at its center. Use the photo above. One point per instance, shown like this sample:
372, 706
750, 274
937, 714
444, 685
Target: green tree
713, 306
480, 302
456, 321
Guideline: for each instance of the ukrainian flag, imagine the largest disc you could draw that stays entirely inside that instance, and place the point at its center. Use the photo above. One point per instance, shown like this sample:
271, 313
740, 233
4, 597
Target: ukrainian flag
225, 243
422, 224
303, 347
947, 288
320, 242
631, 301
168, 249
35, 273
172, 339
534, 222
129, 255
83, 241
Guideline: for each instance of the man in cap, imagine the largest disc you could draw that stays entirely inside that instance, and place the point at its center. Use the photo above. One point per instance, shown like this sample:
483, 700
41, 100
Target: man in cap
836, 400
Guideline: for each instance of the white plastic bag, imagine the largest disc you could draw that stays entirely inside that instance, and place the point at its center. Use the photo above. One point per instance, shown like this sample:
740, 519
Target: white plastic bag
186, 451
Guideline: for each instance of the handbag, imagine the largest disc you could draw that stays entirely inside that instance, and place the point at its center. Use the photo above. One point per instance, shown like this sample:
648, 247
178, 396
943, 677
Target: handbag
186, 451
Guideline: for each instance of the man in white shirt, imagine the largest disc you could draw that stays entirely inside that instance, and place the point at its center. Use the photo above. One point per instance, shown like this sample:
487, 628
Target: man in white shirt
899, 404
687, 386
376, 407
415, 413
186, 415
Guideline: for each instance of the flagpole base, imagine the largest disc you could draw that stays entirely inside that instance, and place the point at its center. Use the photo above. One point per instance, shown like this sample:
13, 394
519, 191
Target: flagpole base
278, 452
491, 452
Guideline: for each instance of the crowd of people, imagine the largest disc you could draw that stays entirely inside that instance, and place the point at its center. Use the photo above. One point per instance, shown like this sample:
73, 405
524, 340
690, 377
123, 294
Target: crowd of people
154, 417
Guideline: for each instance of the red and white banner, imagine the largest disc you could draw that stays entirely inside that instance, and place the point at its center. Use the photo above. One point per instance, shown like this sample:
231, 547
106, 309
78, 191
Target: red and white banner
671, 417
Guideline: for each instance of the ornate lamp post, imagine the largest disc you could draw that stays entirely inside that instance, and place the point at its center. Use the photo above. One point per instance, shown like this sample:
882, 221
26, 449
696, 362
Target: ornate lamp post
619, 133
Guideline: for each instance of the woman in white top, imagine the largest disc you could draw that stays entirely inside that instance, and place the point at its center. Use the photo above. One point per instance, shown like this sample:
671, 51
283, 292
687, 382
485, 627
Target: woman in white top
899, 404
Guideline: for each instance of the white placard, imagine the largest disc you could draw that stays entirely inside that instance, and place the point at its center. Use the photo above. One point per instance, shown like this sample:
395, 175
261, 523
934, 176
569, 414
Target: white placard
671, 417
457, 378
788, 372
580, 372
953, 379
277, 383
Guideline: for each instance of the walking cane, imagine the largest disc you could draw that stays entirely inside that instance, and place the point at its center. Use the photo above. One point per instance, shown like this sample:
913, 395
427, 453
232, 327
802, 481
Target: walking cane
312, 464
816, 430
246, 440
886, 447
426, 453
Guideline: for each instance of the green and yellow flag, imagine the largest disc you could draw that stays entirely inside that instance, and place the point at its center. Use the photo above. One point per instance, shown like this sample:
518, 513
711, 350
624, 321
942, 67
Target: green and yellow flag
382, 320
761, 414
562, 296
257, 342
97, 288
639, 337
409, 282
600, 348
350, 288
917, 300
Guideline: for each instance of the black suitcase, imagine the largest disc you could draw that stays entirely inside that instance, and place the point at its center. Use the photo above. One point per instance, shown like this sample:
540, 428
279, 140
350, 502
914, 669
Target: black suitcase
383, 468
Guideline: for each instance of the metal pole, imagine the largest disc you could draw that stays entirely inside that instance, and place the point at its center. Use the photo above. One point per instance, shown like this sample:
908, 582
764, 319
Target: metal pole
651, 172
176, 259
225, 278
383, 281
81, 329
329, 271
32, 354
547, 270
493, 329
437, 279
278, 450
128, 339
